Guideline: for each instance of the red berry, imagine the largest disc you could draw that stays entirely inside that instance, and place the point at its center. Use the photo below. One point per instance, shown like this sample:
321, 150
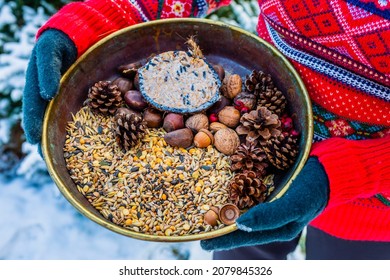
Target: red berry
213, 118
287, 123
244, 110
238, 105
294, 133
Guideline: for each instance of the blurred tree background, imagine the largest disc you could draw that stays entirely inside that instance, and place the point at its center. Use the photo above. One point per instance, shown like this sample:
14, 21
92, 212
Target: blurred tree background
19, 22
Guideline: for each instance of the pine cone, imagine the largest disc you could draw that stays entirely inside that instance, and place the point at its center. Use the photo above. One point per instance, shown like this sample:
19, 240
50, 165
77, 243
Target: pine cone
273, 99
259, 124
249, 157
129, 129
281, 151
258, 82
104, 97
246, 190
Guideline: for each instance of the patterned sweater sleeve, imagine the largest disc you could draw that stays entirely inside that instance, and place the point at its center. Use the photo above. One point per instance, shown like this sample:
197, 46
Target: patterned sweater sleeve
87, 22
356, 169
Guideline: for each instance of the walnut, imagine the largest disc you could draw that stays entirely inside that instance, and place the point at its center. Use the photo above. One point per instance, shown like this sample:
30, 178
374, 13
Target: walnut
215, 126
231, 86
226, 141
229, 116
197, 122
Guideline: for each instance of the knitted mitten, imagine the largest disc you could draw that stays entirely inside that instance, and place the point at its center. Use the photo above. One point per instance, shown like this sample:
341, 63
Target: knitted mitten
52, 55
282, 219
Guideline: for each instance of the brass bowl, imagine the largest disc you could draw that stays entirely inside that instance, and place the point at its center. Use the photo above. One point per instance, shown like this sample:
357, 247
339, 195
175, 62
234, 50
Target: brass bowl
237, 50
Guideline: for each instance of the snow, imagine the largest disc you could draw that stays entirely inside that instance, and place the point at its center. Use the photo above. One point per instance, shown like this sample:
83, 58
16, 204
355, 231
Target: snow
6, 15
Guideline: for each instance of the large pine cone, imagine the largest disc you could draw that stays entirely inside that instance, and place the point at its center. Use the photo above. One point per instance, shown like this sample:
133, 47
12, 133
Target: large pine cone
247, 190
104, 97
259, 125
249, 157
129, 129
273, 99
281, 151
258, 82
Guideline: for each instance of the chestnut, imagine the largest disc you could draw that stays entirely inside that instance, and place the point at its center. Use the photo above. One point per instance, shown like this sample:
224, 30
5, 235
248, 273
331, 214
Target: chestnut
179, 138
173, 121
153, 118
123, 84
135, 100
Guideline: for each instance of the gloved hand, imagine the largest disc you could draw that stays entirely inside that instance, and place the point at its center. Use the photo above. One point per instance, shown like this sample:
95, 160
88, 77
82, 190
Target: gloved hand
282, 219
52, 55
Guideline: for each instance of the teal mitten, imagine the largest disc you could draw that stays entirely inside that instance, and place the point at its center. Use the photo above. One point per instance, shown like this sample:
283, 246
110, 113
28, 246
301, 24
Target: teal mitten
52, 55
282, 219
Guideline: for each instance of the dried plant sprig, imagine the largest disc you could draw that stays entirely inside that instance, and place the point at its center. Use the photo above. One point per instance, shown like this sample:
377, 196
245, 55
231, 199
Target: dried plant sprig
194, 48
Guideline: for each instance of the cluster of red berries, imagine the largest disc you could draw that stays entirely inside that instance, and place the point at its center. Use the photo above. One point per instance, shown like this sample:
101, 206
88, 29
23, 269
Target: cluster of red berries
288, 126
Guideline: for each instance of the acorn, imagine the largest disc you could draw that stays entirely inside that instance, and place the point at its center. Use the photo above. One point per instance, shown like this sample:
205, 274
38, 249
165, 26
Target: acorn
203, 138
220, 71
179, 138
135, 100
211, 217
153, 118
219, 105
231, 86
215, 126
173, 121
123, 84
197, 122
229, 213
226, 141
229, 116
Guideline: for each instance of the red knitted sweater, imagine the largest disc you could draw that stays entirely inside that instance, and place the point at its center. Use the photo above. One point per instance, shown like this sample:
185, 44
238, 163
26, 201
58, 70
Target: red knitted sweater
340, 51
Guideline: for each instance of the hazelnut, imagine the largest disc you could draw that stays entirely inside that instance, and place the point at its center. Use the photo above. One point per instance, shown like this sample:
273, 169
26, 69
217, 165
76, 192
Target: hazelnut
203, 138
231, 86
226, 141
220, 71
219, 105
211, 217
229, 116
153, 118
229, 214
179, 138
173, 121
197, 122
135, 100
215, 126
123, 84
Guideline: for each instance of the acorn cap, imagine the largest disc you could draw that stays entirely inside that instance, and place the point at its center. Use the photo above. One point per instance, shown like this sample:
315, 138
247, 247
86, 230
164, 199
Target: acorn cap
229, 213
